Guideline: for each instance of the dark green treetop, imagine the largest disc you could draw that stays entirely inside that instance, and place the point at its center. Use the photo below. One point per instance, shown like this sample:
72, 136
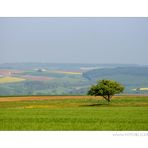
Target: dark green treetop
106, 89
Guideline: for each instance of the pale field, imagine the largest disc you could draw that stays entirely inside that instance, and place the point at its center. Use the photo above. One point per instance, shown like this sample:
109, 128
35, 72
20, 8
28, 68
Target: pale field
10, 80
143, 88
140, 89
67, 72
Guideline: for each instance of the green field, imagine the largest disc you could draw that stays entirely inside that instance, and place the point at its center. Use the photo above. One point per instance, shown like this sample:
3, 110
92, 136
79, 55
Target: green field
74, 113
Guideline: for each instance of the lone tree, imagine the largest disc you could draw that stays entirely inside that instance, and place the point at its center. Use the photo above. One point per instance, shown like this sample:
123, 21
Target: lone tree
106, 89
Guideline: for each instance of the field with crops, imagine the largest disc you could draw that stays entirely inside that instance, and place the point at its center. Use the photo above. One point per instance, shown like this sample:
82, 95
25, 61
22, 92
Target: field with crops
73, 113
68, 72
10, 80
68, 79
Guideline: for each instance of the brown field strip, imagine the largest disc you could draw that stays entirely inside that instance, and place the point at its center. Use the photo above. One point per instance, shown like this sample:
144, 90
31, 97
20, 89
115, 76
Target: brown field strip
9, 71
25, 98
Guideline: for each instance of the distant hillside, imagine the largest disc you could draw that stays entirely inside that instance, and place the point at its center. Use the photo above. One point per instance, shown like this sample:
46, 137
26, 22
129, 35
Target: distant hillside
131, 77
62, 66
67, 79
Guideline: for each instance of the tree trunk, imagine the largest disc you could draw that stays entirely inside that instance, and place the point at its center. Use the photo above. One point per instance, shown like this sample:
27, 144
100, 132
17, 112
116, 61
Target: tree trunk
108, 98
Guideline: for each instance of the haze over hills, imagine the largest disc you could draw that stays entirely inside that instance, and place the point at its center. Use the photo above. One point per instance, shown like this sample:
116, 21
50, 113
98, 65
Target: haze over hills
67, 79
61, 65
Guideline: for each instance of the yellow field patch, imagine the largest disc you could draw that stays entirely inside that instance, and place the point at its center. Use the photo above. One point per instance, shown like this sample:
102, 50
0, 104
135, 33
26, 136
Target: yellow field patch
52, 106
66, 72
10, 80
69, 72
143, 88
140, 89
37, 106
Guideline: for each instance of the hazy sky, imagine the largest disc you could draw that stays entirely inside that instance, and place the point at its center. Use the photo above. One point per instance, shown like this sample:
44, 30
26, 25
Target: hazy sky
74, 40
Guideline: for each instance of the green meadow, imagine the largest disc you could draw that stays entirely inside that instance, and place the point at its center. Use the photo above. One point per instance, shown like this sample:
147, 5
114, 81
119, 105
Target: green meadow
124, 113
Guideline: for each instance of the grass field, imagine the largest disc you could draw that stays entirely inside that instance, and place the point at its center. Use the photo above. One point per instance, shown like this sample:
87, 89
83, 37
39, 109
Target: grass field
73, 113
10, 80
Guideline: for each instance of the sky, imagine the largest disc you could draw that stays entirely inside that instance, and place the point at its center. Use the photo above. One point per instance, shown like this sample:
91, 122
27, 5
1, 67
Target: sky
74, 40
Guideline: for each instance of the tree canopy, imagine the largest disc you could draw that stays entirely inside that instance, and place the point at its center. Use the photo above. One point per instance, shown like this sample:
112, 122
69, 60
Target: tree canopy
106, 89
